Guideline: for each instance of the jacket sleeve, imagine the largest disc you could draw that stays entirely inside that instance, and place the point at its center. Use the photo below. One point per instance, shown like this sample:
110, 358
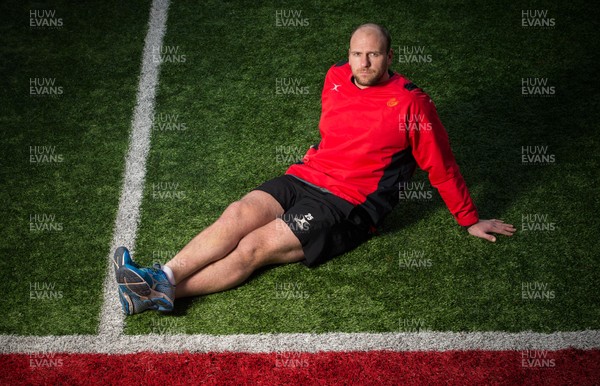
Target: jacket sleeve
431, 149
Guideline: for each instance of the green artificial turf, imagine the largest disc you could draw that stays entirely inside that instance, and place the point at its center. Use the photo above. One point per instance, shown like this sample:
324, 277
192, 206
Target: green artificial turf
58, 214
225, 94
222, 129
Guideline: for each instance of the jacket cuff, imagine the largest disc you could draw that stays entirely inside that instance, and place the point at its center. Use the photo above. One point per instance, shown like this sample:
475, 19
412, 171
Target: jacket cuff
467, 222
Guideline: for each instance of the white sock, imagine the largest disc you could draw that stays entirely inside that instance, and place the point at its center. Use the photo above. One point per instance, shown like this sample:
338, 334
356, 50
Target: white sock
169, 274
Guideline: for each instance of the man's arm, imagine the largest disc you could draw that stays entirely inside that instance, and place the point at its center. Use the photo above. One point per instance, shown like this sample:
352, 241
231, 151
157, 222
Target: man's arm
431, 149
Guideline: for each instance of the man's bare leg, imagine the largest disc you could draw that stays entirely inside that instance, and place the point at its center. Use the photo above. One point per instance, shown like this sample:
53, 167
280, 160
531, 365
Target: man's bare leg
273, 243
240, 218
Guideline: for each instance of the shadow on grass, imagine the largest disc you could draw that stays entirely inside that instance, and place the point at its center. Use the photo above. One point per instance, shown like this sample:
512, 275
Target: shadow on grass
489, 152
182, 305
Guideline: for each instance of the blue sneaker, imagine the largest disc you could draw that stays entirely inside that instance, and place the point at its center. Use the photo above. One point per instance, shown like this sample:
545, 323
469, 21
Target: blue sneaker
132, 303
122, 257
144, 288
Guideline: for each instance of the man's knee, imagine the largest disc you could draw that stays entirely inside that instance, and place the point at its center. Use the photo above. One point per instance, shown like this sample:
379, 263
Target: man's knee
234, 211
251, 252
254, 204
269, 245
240, 212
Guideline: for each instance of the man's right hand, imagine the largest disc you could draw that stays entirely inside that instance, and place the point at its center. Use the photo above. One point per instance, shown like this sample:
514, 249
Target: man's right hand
484, 229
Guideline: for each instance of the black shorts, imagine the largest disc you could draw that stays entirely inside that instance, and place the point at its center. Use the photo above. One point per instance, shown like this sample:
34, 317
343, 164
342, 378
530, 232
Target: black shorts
325, 224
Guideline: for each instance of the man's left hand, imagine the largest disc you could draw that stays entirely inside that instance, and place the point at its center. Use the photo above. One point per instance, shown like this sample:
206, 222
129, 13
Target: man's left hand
485, 228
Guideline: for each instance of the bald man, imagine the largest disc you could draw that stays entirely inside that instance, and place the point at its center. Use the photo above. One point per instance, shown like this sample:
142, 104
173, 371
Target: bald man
376, 126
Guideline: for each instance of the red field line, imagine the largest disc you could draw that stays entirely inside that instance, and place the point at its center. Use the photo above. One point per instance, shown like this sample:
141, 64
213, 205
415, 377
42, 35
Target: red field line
581, 367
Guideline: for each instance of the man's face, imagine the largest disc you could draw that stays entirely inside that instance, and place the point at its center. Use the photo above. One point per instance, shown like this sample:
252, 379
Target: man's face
367, 57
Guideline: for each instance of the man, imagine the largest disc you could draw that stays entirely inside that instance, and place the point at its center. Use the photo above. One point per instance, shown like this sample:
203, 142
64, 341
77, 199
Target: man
376, 127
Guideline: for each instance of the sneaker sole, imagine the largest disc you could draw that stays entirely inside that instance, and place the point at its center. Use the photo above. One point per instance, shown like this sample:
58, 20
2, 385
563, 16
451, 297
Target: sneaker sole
133, 282
126, 303
119, 260
136, 284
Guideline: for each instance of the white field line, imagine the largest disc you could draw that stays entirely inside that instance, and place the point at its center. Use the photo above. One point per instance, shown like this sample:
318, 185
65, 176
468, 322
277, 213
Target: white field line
128, 216
264, 343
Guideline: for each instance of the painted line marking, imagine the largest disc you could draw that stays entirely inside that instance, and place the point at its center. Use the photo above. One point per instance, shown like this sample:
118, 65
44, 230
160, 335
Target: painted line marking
128, 216
264, 343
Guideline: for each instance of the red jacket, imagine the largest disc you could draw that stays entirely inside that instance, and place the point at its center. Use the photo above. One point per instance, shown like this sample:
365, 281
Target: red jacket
371, 140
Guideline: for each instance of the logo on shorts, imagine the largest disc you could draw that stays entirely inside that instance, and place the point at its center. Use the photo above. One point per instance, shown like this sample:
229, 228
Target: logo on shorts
302, 221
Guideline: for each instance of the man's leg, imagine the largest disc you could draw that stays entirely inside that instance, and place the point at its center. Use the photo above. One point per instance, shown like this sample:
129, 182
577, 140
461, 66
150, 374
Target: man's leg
273, 243
142, 288
240, 218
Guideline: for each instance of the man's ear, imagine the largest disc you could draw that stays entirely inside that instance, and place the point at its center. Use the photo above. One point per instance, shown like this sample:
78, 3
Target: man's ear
390, 56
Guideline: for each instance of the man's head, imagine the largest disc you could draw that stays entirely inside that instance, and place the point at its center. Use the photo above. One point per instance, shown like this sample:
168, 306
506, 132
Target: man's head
370, 54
